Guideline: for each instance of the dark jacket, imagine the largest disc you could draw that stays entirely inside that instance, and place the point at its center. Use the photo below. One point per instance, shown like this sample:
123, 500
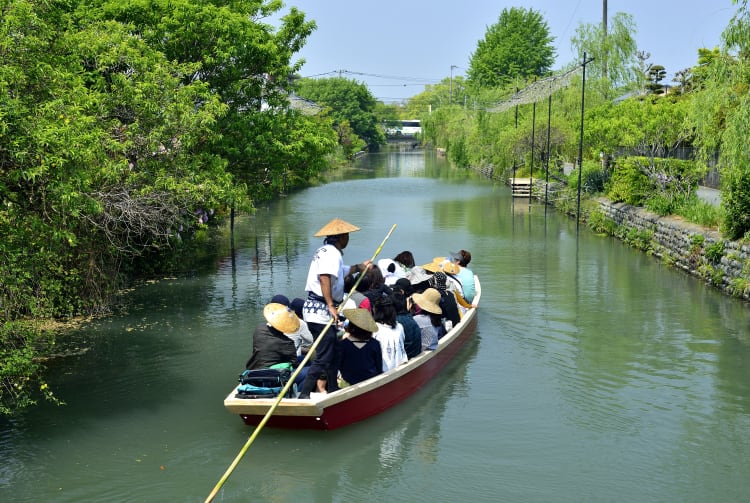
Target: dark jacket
450, 307
359, 363
271, 347
412, 334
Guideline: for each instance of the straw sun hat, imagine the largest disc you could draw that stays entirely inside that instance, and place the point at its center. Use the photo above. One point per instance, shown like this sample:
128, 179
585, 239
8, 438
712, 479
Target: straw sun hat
450, 268
431, 267
441, 264
336, 227
428, 301
281, 318
362, 318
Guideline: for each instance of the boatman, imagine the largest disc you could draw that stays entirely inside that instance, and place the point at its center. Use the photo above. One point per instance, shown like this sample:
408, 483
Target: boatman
325, 291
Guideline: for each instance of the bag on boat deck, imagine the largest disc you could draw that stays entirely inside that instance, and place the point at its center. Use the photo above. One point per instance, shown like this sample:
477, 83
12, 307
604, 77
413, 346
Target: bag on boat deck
264, 383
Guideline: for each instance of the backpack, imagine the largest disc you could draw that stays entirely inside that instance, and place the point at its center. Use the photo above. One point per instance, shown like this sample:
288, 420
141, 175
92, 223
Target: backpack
264, 383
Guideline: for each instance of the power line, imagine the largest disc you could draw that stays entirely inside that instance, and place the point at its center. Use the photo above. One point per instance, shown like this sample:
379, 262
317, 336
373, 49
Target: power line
570, 21
394, 85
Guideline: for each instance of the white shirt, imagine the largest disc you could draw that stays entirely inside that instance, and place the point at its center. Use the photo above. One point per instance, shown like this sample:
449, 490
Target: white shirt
327, 260
392, 343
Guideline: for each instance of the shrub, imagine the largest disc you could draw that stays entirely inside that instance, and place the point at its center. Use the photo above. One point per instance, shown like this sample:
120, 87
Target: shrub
593, 178
695, 210
740, 287
736, 202
20, 368
641, 239
628, 184
714, 252
599, 223
660, 204
458, 153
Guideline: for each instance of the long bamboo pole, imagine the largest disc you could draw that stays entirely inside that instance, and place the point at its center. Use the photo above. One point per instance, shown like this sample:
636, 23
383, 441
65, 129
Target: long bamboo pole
289, 383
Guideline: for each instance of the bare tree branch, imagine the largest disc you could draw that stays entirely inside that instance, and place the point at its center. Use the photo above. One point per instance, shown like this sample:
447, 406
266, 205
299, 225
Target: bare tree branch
133, 222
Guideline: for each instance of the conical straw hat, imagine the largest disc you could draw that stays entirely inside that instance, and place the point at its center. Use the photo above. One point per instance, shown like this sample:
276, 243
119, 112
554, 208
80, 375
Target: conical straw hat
336, 227
362, 318
281, 318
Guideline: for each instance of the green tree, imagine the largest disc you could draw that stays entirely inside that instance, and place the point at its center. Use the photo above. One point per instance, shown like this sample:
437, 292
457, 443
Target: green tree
721, 117
100, 160
652, 126
124, 127
244, 61
614, 55
436, 96
694, 77
347, 101
654, 75
519, 45
683, 78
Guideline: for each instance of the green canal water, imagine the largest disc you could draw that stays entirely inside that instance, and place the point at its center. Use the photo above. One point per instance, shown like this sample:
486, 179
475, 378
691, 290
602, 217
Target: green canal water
597, 373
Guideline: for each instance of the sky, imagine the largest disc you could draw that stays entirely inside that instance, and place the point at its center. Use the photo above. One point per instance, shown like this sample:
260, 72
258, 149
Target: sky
398, 46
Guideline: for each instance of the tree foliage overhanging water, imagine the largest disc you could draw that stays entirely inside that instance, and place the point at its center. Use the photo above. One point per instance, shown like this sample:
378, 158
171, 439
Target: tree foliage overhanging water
127, 129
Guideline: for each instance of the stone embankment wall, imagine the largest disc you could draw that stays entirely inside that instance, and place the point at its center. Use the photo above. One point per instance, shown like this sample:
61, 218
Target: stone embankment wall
699, 251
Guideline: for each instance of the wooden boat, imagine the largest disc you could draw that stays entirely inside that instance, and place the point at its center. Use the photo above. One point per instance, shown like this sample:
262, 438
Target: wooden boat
362, 400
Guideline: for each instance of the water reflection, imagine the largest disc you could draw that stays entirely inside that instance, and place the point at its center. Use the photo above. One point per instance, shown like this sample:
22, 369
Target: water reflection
357, 462
601, 374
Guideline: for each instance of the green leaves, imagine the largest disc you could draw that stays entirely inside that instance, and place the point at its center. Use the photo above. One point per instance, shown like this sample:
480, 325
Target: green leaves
614, 55
519, 45
721, 117
122, 122
350, 105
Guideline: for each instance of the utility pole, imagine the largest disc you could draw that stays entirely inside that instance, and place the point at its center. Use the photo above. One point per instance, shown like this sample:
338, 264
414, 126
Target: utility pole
580, 141
450, 99
604, 39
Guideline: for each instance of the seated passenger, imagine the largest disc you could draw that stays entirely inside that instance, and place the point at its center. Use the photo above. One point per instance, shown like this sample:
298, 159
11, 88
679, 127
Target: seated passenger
403, 286
359, 355
412, 333
377, 289
454, 285
390, 333
271, 344
465, 275
405, 260
419, 276
447, 300
429, 317
357, 296
390, 270
280, 299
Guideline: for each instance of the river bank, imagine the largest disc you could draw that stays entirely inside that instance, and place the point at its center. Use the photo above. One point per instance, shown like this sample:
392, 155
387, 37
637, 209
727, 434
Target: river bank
699, 251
